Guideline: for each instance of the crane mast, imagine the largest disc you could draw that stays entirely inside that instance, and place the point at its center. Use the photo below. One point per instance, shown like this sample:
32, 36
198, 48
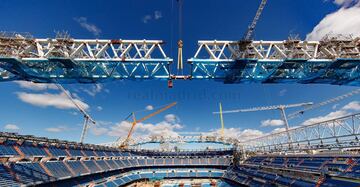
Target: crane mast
249, 33
87, 117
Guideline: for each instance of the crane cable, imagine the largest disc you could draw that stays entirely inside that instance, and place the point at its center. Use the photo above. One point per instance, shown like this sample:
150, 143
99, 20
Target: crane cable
180, 65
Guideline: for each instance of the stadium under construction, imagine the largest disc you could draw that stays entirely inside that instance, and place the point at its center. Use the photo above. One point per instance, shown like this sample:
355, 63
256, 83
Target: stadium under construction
323, 153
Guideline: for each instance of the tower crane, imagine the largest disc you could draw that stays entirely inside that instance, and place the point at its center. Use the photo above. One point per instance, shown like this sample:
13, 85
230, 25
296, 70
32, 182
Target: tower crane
125, 143
87, 117
329, 101
275, 107
249, 33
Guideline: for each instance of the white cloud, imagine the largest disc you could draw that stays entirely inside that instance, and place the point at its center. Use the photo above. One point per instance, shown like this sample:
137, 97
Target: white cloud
345, 21
88, 26
346, 2
59, 101
99, 108
346, 110
57, 129
171, 118
335, 106
281, 129
93, 90
354, 105
157, 14
282, 92
276, 130
97, 131
11, 127
149, 17
74, 113
272, 123
149, 107
36, 86
121, 129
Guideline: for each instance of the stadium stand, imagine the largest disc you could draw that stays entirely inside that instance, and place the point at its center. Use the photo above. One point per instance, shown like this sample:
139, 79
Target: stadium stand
28, 160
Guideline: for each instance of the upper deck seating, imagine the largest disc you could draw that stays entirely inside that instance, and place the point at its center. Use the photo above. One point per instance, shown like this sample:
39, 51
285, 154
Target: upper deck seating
75, 152
7, 150
29, 149
30, 173
56, 151
6, 179
58, 169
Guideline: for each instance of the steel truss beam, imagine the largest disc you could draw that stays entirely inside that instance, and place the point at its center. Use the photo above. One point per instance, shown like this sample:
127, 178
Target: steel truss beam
330, 61
7, 76
72, 60
339, 133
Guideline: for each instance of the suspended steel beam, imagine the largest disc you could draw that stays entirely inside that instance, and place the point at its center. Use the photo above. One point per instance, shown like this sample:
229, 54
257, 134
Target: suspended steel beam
85, 61
331, 61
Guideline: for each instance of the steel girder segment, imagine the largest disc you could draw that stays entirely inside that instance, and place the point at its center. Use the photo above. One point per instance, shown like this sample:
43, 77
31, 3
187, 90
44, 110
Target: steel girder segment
7, 76
278, 62
337, 72
83, 71
69, 60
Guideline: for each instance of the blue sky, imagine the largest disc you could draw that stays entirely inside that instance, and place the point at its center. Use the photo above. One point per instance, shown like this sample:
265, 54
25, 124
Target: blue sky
111, 102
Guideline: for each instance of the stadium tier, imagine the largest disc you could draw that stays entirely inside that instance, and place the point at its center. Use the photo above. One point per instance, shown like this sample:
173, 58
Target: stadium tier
29, 160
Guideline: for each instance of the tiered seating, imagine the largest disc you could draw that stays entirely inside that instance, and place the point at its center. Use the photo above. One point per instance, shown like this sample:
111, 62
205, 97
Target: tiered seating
31, 150
77, 167
30, 173
89, 153
342, 166
7, 150
100, 153
58, 169
55, 151
5, 177
39, 161
75, 152
92, 166
103, 165
112, 164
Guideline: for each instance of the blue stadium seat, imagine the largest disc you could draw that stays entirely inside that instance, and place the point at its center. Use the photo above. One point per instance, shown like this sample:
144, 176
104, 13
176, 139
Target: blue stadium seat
119, 182
77, 167
110, 184
89, 153
168, 161
133, 162
150, 162
120, 163
55, 151
92, 166
30, 150
112, 164
126, 163
100, 153
103, 165
58, 169
141, 162
7, 150
75, 152
5, 177
30, 173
